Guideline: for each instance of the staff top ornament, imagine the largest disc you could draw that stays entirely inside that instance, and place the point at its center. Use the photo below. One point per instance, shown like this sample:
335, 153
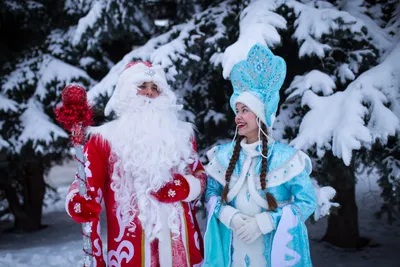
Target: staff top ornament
75, 114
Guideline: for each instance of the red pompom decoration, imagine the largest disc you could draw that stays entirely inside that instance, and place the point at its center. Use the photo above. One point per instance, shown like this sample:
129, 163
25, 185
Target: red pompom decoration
73, 94
74, 115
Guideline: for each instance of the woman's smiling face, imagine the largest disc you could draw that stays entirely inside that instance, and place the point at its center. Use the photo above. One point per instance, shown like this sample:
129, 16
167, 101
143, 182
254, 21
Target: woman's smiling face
246, 122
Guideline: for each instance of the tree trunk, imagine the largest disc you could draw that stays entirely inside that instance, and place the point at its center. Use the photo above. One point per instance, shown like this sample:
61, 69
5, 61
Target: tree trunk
342, 228
28, 215
15, 207
34, 189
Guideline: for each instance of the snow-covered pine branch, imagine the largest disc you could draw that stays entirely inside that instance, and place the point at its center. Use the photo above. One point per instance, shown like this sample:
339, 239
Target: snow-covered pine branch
77, 7
36, 85
89, 21
340, 120
38, 128
324, 197
7, 106
169, 48
357, 8
341, 116
106, 18
315, 80
259, 23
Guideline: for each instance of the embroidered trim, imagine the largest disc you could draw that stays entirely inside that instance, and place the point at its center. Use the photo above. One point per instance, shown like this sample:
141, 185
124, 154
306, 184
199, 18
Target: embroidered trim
288, 170
77, 208
171, 193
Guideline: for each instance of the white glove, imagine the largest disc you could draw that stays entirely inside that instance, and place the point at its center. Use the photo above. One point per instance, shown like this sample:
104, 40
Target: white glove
227, 215
249, 232
238, 221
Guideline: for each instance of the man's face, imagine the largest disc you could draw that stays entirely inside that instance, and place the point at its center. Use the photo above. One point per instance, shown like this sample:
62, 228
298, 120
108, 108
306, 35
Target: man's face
148, 89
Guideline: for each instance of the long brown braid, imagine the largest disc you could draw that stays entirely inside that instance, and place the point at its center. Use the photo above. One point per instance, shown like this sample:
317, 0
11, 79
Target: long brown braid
272, 204
231, 167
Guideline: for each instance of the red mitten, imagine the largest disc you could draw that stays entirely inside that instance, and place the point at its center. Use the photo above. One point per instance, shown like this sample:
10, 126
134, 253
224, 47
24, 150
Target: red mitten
84, 209
174, 191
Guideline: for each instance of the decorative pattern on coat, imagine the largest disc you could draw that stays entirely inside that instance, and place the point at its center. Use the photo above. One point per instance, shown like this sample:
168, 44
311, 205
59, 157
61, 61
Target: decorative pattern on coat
96, 242
88, 172
154, 261
179, 253
191, 216
124, 248
282, 255
197, 240
121, 225
99, 196
115, 257
195, 159
202, 176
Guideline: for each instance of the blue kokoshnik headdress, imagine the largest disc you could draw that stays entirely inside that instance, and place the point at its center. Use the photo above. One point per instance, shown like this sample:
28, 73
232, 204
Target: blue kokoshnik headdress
256, 83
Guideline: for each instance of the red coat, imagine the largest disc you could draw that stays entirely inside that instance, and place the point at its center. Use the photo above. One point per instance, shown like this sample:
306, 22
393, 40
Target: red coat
132, 249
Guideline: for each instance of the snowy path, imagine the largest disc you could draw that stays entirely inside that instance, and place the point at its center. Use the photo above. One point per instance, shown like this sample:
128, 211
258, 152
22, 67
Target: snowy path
60, 244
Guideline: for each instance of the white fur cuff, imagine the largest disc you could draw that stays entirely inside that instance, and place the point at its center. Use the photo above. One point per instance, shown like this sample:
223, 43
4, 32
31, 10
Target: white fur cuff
264, 222
226, 215
194, 188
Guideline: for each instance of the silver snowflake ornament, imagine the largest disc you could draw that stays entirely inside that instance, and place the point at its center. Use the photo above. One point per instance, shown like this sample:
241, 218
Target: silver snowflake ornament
150, 72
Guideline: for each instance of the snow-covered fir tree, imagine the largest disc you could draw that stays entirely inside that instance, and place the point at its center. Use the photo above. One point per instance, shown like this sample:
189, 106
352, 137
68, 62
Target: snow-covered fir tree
339, 101
77, 44
328, 108
343, 103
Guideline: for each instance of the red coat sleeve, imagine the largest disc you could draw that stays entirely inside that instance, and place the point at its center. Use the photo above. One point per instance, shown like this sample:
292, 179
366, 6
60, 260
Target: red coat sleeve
198, 178
97, 152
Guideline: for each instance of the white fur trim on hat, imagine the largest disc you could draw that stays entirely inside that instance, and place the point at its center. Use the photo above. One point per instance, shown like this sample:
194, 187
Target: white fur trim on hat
141, 73
253, 103
129, 81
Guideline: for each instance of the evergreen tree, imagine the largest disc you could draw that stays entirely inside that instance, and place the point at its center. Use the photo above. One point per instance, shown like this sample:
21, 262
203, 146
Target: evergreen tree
327, 107
386, 155
341, 82
77, 44
192, 55
348, 106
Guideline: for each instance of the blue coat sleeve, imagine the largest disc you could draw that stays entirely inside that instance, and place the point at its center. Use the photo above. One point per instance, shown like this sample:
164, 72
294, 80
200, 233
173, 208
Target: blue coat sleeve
214, 189
304, 199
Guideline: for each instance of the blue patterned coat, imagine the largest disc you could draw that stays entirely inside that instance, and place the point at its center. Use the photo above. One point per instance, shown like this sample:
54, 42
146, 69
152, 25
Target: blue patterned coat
287, 180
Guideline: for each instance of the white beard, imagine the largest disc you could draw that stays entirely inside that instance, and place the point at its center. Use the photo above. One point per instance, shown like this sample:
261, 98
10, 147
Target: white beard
147, 141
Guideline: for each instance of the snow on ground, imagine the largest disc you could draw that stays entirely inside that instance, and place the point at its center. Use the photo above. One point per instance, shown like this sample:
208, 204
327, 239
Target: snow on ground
60, 244
385, 243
